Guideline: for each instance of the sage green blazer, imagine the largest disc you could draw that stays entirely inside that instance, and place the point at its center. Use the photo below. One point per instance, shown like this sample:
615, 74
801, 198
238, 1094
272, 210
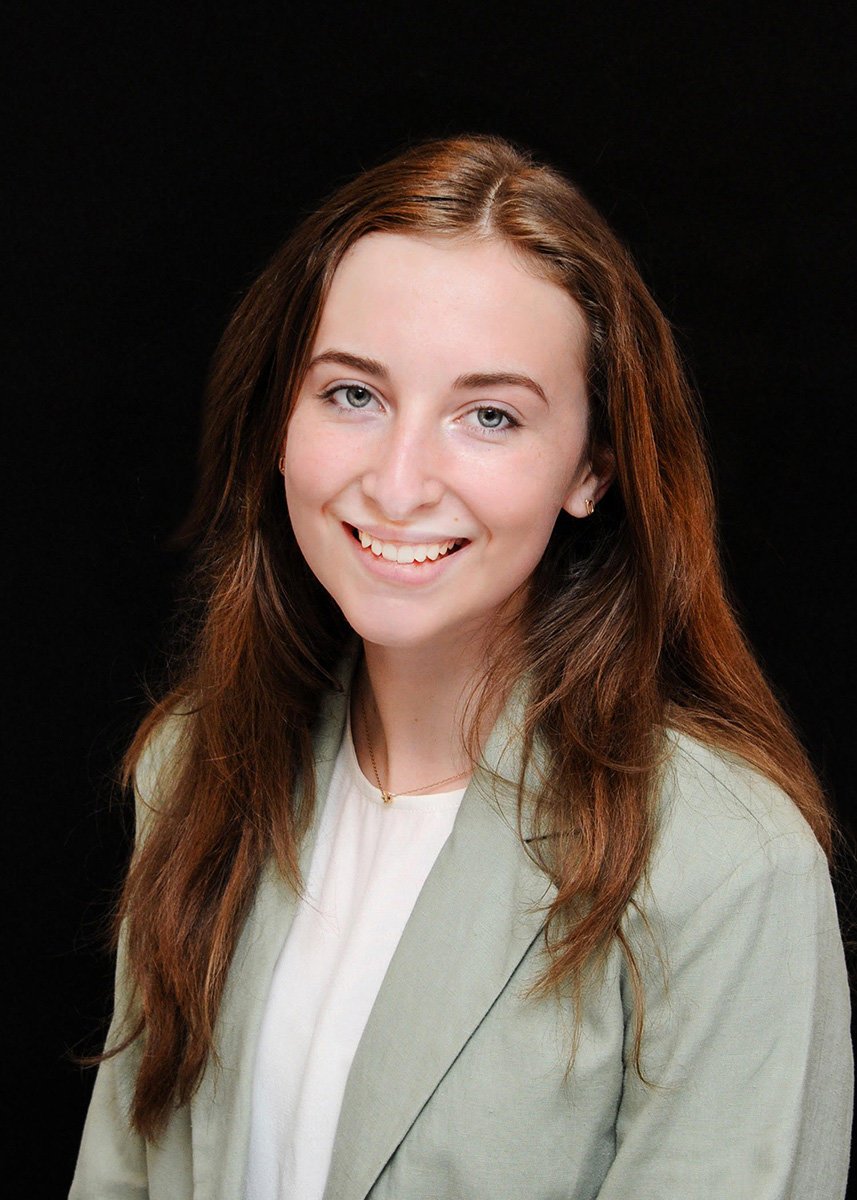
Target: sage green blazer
461, 1087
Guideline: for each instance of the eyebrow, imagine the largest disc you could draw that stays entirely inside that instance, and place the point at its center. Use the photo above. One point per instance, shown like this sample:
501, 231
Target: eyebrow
483, 379
366, 366
470, 381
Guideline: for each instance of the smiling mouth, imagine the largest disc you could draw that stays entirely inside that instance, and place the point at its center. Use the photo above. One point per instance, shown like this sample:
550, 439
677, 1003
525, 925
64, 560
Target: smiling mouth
411, 552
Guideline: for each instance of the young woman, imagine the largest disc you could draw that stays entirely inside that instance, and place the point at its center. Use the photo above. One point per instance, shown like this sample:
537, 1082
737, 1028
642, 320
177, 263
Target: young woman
475, 857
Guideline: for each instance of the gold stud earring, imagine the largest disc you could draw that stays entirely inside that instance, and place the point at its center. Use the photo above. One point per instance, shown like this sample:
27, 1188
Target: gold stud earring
590, 507
282, 464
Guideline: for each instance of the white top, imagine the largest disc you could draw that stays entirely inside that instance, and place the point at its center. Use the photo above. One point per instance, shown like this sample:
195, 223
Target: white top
369, 864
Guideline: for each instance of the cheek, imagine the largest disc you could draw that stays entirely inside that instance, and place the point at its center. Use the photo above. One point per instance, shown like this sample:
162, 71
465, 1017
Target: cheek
525, 507
307, 465
321, 458
524, 493
301, 478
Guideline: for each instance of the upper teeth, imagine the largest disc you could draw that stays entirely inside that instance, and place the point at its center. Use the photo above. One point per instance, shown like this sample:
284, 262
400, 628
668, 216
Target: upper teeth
396, 552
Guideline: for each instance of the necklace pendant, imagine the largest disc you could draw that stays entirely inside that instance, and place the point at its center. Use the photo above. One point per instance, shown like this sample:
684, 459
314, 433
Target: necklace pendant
386, 797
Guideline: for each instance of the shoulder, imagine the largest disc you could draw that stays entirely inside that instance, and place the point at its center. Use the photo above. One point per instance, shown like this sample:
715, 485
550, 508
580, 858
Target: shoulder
720, 822
160, 761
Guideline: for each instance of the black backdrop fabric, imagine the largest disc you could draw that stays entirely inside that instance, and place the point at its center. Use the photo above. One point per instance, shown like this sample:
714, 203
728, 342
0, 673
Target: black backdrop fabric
158, 156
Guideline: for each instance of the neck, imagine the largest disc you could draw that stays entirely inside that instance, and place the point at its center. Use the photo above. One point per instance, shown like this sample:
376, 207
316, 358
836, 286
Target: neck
415, 710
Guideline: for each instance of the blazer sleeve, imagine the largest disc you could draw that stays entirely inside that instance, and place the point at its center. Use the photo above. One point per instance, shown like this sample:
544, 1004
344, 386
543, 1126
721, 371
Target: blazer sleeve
746, 1045
112, 1161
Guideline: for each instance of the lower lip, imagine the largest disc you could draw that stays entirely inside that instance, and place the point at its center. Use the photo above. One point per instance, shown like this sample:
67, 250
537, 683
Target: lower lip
407, 574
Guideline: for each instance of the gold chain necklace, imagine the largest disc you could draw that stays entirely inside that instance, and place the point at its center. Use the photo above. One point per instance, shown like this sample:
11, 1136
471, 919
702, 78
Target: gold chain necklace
389, 797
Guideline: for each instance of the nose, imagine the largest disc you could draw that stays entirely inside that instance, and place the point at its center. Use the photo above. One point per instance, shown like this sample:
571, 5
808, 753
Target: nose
403, 473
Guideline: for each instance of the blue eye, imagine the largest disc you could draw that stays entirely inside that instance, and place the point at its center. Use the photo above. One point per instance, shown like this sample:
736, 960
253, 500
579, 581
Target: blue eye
495, 418
357, 397
348, 395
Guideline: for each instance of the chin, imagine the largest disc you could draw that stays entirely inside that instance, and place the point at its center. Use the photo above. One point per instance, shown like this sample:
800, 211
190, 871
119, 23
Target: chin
379, 634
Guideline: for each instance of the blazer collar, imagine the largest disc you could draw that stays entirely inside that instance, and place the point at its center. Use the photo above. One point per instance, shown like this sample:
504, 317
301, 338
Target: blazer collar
221, 1108
478, 913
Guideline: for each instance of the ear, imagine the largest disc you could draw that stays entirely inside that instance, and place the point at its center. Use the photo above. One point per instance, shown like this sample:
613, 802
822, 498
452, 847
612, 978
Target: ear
592, 481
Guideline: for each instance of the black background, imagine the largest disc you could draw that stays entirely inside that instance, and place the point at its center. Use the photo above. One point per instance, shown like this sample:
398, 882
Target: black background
159, 155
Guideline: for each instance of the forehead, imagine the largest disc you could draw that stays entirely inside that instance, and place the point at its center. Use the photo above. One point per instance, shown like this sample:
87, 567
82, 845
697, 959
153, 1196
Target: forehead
472, 302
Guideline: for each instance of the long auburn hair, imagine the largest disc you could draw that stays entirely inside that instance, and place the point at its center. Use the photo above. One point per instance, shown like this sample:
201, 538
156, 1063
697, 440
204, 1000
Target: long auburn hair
627, 629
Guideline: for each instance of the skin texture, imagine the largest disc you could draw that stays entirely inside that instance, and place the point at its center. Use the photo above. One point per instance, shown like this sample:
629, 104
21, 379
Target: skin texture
406, 447
412, 456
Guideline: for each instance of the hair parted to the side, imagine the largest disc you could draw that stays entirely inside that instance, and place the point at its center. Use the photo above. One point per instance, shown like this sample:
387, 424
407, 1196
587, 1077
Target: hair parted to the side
627, 630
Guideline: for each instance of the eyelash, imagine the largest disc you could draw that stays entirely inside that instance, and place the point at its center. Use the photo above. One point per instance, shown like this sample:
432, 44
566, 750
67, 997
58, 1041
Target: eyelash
330, 392
511, 422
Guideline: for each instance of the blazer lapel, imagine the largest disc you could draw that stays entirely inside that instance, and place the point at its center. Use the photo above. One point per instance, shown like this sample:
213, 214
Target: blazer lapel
220, 1109
477, 915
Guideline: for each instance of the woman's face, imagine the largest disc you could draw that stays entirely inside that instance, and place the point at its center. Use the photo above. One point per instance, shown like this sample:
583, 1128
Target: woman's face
440, 429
